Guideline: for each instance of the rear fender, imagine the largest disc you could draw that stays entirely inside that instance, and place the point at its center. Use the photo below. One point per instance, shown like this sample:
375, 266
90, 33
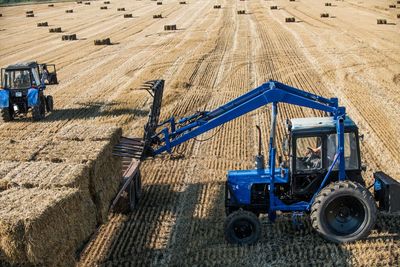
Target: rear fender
4, 99
33, 97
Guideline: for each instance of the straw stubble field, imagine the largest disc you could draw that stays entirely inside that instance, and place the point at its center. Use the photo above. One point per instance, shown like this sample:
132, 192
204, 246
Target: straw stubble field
214, 56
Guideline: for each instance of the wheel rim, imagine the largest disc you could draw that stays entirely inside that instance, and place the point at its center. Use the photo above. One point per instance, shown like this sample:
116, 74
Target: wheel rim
243, 229
345, 215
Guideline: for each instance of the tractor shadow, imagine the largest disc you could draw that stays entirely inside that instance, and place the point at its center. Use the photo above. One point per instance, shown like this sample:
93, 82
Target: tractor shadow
93, 110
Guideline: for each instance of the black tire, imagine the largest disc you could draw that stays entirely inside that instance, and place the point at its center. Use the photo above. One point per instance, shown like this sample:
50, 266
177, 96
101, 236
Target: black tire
344, 212
49, 103
138, 187
132, 196
242, 227
37, 113
6, 115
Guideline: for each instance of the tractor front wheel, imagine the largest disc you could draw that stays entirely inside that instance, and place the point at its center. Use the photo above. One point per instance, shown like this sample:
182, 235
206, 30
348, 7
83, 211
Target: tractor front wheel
49, 103
344, 211
242, 227
6, 115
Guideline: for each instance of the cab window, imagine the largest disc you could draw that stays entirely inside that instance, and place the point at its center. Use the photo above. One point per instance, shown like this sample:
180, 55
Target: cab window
17, 79
308, 153
350, 151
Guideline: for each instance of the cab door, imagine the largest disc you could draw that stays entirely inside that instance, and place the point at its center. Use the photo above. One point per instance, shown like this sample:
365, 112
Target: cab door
50, 77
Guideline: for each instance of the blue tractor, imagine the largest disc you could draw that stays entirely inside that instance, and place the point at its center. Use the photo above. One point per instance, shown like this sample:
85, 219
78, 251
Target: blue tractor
22, 90
321, 176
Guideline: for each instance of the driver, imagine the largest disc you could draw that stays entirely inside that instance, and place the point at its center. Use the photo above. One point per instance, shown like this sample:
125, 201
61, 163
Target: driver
313, 157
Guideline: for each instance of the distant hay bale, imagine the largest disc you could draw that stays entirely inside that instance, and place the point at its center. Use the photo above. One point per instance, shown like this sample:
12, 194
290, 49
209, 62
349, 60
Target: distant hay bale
381, 21
328, 4
171, 27
121, 9
241, 12
217, 6
157, 16
43, 24
324, 15
79, 2
87, 3
274, 7
159, 3
69, 11
69, 37
392, 6
44, 227
398, 16
51, 5
128, 16
291, 19
30, 15
58, 29
106, 41
103, 7
106, 2
29, 12
182, 2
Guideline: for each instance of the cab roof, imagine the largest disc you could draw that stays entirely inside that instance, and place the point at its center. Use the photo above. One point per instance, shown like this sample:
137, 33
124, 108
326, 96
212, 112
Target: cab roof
321, 124
22, 65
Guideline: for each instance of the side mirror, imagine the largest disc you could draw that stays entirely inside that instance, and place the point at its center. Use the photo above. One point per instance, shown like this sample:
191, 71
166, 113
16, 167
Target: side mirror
361, 136
285, 147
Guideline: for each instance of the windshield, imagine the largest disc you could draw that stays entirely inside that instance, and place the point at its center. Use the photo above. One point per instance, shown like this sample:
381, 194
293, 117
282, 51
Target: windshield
17, 79
350, 151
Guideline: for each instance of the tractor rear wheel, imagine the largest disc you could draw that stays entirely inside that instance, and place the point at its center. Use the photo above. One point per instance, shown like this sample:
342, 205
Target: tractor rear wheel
49, 103
6, 115
242, 227
344, 211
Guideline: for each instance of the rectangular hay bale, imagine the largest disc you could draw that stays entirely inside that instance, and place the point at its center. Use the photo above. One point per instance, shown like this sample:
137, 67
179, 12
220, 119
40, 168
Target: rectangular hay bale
44, 227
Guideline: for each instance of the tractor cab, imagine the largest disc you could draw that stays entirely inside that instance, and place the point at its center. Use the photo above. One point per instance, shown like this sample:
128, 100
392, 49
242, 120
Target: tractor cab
311, 147
22, 90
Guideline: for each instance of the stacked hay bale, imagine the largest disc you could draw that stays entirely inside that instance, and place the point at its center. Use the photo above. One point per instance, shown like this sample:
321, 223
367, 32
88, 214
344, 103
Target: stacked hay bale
291, 19
241, 12
43, 24
52, 203
128, 16
157, 16
217, 6
69, 37
171, 27
106, 41
58, 29
381, 21
274, 7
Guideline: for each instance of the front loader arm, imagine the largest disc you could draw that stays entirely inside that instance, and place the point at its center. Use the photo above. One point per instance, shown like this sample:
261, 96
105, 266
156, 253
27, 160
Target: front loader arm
270, 92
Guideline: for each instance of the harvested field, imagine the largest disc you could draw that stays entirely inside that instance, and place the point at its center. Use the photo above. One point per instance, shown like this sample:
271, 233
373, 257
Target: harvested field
215, 55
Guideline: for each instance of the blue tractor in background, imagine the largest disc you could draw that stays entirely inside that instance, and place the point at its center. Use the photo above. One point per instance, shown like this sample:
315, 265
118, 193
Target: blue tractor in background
22, 90
320, 176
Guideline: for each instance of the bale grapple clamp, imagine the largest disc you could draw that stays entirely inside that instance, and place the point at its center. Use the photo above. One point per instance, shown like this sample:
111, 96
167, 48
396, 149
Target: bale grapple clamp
133, 150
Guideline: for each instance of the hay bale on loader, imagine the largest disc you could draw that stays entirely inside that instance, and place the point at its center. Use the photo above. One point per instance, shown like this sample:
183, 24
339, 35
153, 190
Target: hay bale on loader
171, 27
324, 15
69, 11
217, 6
121, 9
103, 7
157, 16
58, 29
106, 41
128, 16
44, 227
43, 24
291, 19
381, 21
241, 12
